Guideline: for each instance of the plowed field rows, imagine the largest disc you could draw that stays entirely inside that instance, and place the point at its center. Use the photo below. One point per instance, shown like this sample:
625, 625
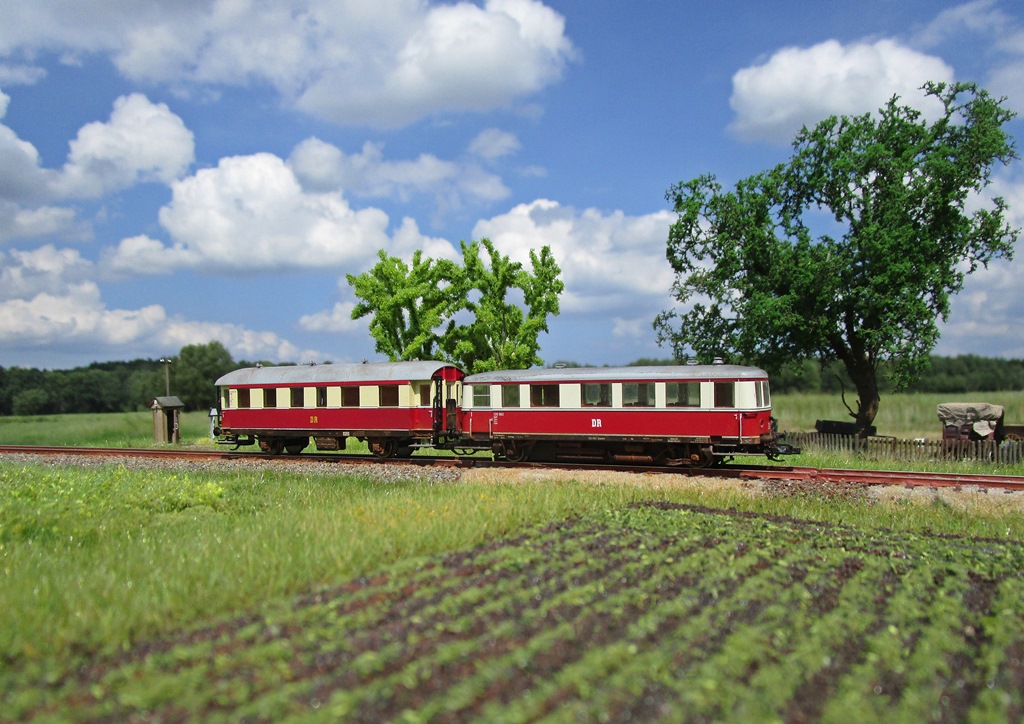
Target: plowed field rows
660, 611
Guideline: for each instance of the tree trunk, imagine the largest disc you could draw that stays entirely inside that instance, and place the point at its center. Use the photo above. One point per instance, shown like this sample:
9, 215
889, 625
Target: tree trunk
866, 381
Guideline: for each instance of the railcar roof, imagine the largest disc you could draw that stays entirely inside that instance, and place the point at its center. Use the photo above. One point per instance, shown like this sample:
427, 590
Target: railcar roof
620, 374
333, 373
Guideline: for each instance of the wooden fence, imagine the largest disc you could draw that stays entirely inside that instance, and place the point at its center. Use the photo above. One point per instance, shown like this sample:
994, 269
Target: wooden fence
1010, 452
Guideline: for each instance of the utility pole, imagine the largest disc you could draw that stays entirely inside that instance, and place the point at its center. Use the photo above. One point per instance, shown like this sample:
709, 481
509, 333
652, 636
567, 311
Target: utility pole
166, 362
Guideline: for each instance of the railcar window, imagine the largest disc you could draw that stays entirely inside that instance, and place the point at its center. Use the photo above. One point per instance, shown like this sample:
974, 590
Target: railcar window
597, 395
638, 395
425, 395
269, 397
510, 395
321, 397
725, 394
481, 395
243, 399
350, 397
682, 394
296, 397
389, 395
543, 395
765, 394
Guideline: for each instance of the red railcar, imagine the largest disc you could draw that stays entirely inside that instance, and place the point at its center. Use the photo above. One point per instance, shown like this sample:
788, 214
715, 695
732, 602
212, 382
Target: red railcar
692, 415
395, 406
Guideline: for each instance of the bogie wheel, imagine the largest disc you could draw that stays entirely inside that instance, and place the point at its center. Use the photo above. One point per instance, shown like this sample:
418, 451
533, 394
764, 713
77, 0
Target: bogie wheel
516, 453
701, 457
294, 447
272, 445
384, 447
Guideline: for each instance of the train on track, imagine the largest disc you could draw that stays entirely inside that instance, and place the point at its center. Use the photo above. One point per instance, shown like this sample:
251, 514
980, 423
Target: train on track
686, 415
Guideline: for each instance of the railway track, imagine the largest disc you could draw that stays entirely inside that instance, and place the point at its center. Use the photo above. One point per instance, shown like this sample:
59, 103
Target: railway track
764, 472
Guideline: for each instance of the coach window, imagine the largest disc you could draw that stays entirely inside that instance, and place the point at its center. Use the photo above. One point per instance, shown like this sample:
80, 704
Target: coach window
638, 395
243, 399
543, 395
269, 397
296, 394
510, 395
389, 395
725, 394
350, 397
481, 395
321, 397
425, 395
597, 395
682, 394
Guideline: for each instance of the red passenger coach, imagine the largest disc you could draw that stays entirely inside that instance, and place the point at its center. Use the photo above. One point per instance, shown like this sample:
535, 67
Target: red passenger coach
395, 406
693, 415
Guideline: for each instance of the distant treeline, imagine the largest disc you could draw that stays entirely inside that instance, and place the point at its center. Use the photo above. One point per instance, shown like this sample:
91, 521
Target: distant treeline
117, 386
965, 373
128, 386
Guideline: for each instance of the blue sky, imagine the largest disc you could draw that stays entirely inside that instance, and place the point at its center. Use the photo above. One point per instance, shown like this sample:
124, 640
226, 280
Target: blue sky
194, 170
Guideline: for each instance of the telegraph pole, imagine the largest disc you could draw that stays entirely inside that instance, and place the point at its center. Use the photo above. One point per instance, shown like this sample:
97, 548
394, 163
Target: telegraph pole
166, 362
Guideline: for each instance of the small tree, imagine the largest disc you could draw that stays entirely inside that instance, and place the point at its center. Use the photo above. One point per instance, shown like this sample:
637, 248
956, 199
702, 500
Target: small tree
408, 305
760, 285
501, 335
416, 310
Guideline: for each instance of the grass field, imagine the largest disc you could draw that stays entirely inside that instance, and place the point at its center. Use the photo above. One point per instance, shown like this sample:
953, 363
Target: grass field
266, 592
270, 592
116, 429
899, 415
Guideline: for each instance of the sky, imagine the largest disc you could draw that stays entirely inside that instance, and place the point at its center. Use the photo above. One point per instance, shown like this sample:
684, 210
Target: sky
176, 172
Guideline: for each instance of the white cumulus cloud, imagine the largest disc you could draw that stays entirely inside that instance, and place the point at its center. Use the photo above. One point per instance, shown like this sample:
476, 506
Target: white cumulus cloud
385, 63
250, 213
321, 166
142, 142
76, 317
801, 86
336, 319
25, 274
608, 261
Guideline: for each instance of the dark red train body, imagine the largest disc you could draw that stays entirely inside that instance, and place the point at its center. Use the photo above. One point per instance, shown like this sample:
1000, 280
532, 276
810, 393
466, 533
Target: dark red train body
692, 415
393, 405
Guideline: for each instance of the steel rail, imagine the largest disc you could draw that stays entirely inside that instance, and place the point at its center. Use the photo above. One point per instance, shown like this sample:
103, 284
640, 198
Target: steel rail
775, 472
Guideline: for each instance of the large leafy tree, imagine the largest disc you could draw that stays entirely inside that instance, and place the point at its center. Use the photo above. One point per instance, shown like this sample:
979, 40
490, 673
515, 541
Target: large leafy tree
470, 315
849, 251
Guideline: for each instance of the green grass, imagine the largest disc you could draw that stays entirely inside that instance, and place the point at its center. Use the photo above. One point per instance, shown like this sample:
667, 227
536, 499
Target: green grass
115, 429
899, 415
97, 558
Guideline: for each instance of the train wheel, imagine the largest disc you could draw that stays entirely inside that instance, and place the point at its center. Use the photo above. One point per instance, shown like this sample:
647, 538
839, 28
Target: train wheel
516, 453
384, 447
272, 445
296, 446
702, 457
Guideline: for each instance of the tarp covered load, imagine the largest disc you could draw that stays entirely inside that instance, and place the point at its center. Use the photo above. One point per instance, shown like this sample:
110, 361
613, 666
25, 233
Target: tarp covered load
982, 417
